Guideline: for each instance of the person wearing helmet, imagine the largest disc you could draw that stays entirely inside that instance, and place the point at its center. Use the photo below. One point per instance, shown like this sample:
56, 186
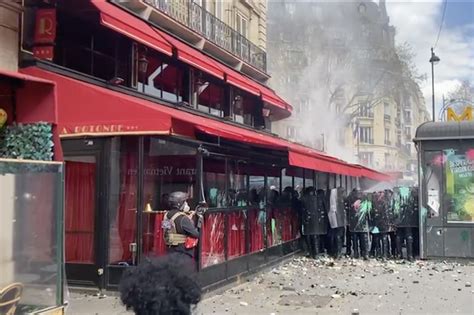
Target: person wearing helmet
179, 230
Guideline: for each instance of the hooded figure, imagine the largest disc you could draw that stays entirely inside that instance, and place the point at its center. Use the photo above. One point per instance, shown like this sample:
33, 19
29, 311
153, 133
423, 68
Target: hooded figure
179, 229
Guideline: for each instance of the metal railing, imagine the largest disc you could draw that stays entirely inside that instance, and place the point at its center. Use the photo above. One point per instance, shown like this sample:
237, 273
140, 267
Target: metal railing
213, 29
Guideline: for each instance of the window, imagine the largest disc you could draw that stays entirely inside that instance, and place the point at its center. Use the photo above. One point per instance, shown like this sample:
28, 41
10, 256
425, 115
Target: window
408, 148
304, 105
237, 193
209, 95
387, 161
286, 179
366, 158
163, 79
365, 135
123, 199
92, 50
291, 132
218, 9
387, 137
407, 116
408, 131
365, 110
245, 107
214, 179
241, 25
290, 8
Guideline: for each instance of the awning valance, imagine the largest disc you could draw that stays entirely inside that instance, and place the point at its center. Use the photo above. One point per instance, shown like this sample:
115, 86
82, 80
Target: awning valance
88, 110
131, 27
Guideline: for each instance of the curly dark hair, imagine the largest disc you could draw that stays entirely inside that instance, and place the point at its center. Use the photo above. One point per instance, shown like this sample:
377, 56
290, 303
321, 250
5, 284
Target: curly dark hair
163, 285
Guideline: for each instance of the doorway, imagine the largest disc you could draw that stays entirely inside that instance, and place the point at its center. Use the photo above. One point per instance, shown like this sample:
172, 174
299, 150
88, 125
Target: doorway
83, 218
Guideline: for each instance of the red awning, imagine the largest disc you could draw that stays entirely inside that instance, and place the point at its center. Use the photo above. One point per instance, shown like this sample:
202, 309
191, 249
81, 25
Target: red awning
94, 111
240, 81
193, 56
320, 163
126, 24
88, 110
22, 77
270, 97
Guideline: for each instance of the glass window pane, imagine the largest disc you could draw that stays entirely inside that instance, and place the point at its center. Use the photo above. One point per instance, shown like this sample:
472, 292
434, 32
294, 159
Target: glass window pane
214, 179
212, 248
123, 200
256, 213
237, 194
432, 173
31, 195
168, 167
286, 179
236, 234
273, 229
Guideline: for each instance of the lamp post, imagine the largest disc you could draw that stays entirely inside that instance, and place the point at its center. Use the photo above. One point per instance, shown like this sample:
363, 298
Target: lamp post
142, 69
433, 60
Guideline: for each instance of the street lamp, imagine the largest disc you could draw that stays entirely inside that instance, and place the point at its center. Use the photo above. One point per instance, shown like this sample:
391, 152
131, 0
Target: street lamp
433, 60
142, 69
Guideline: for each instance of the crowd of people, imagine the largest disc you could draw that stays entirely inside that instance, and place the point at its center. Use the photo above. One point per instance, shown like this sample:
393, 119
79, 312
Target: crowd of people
377, 224
368, 224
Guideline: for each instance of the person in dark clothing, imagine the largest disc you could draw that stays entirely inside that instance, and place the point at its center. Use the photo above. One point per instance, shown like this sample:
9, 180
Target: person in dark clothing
358, 216
163, 285
179, 226
337, 220
407, 221
309, 220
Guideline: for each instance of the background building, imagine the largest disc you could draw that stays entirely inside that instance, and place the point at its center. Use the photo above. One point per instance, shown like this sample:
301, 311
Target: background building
355, 93
9, 34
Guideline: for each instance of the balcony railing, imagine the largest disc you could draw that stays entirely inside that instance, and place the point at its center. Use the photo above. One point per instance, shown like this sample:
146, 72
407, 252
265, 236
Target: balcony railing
210, 27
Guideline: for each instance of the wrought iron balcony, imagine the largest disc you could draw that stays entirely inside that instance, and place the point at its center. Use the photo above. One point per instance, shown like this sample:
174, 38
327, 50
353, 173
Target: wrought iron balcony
210, 27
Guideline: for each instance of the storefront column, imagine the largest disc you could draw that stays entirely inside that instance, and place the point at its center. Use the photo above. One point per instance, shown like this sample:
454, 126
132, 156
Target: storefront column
140, 203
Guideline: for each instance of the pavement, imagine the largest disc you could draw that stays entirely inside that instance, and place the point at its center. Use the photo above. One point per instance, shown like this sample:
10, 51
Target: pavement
324, 286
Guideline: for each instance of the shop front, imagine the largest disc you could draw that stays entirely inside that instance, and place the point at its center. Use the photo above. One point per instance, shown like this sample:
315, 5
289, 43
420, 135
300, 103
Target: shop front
124, 154
446, 163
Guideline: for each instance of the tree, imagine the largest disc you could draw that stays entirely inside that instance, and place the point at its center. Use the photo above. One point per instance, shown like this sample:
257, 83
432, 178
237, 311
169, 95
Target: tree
465, 91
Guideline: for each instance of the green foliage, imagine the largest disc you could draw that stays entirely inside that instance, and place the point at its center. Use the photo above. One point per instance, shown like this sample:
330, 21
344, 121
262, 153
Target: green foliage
27, 141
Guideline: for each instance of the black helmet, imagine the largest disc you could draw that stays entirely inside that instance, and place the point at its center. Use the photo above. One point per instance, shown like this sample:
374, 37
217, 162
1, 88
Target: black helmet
176, 200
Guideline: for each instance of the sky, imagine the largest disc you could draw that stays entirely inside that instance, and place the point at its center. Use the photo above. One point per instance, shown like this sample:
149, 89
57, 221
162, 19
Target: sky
418, 21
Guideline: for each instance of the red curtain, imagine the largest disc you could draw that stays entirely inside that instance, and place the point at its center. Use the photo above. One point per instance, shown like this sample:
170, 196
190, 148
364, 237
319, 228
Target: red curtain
80, 211
256, 231
236, 235
127, 203
212, 248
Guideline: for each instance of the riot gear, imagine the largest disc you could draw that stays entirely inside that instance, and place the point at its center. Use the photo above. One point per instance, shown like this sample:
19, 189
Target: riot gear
177, 199
178, 227
337, 220
359, 208
406, 220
